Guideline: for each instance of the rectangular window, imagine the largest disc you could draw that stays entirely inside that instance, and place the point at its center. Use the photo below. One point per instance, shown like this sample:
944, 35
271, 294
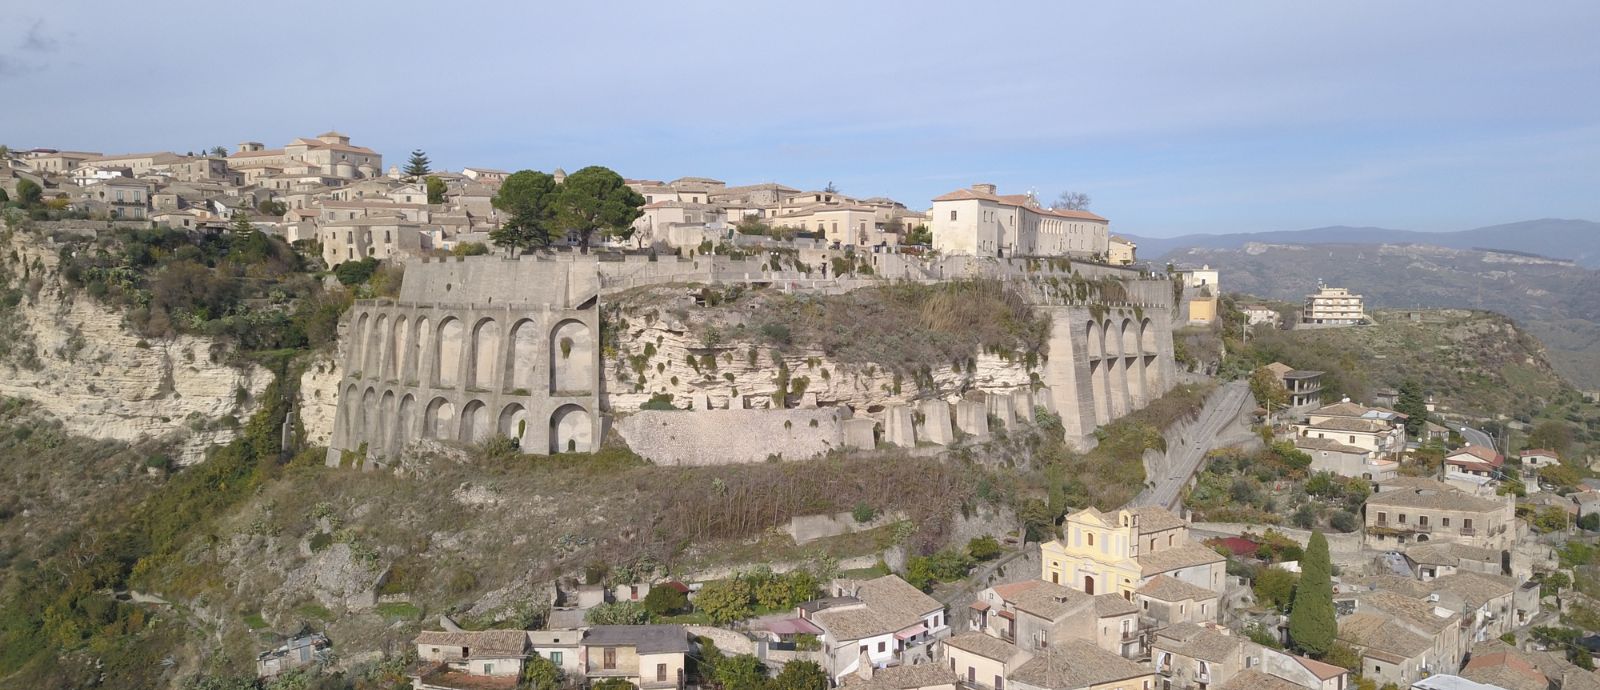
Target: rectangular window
1446, 521
661, 672
555, 658
488, 669
881, 647
608, 658
1402, 518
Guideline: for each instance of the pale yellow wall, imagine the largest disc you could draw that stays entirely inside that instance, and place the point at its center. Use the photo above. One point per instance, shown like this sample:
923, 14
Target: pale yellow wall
983, 669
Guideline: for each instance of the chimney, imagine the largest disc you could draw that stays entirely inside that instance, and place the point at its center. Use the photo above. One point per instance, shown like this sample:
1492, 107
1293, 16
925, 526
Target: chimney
983, 188
863, 665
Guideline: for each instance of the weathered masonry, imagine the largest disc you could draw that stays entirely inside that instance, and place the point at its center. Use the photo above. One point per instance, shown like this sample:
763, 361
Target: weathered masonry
454, 359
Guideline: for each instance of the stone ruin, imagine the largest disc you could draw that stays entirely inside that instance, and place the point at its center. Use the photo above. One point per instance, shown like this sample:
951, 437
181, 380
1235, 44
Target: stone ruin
481, 346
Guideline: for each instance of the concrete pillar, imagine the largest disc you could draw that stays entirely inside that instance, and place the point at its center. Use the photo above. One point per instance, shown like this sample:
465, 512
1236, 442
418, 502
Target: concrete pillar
972, 418
1045, 398
858, 433
1000, 405
936, 422
1022, 404
700, 401
897, 427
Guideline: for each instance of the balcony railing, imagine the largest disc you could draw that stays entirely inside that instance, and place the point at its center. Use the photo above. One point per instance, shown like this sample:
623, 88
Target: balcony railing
1468, 531
1131, 635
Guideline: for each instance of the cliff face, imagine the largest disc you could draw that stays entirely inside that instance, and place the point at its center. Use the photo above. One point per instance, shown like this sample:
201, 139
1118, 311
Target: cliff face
319, 396
78, 362
665, 355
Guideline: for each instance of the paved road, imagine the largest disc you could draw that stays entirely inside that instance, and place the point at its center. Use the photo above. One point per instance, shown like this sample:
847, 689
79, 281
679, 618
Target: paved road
1475, 437
1221, 409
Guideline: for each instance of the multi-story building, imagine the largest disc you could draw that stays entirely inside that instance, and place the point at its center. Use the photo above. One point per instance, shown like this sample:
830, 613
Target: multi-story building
1035, 615
329, 154
1377, 432
1117, 553
1333, 306
1122, 251
980, 222
880, 622
1420, 510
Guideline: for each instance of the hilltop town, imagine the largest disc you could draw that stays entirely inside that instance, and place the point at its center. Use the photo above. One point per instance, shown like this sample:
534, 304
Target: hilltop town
406, 427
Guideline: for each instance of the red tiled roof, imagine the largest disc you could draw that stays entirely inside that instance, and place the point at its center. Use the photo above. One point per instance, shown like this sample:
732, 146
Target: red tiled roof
1539, 451
1485, 454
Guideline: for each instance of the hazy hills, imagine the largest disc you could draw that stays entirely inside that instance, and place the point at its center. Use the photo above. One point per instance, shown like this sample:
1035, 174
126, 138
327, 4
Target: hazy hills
1555, 300
1576, 240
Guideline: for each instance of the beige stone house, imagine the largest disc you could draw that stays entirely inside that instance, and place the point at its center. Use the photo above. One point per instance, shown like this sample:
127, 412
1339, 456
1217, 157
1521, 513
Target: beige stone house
57, 162
983, 662
1034, 615
1401, 638
1121, 251
652, 657
448, 660
1187, 656
1430, 560
847, 225
1422, 510
1166, 600
380, 238
330, 154
124, 198
1080, 665
881, 622
918, 677
1329, 455
980, 222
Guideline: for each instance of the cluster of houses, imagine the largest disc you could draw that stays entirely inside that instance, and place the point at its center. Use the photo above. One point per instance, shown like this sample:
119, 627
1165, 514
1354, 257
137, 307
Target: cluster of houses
325, 188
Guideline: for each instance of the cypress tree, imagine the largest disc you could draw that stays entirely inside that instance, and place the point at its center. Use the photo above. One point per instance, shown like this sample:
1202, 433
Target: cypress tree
1312, 627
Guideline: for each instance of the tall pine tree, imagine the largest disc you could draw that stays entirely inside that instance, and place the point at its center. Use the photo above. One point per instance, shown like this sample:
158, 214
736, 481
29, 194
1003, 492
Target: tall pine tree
1414, 406
1312, 627
417, 167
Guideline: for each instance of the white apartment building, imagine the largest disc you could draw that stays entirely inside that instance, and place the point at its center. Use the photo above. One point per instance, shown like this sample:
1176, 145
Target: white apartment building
1333, 306
979, 222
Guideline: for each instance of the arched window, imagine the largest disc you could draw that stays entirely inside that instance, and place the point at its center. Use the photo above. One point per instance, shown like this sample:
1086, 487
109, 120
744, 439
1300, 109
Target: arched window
1091, 538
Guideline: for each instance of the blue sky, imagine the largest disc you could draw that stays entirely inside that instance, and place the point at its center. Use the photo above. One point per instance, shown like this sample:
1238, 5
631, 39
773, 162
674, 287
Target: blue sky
1175, 117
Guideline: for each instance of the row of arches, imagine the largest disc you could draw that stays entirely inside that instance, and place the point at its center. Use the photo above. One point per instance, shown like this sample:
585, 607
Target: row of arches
1124, 372
482, 354
385, 421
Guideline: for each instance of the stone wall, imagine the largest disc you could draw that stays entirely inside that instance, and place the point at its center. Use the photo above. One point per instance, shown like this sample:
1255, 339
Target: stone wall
730, 437
809, 528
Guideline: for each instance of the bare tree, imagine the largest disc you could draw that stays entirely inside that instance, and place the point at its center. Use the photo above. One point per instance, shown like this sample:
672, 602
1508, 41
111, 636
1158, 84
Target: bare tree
1072, 201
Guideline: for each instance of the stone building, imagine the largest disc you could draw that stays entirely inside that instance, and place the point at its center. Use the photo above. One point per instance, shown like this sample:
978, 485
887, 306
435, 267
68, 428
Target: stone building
1120, 552
980, 222
453, 359
1423, 510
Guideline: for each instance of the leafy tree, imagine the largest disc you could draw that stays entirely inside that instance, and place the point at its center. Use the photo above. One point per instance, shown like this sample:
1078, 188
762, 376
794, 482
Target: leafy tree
919, 235
752, 225
1553, 583
528, 199
29, 193
612, 684
1311, 619
540, 673
800, 675
1072, 201
1268, 389
984, 548
618, 613
1550, 435
665, 601
595, 199
1590, 522
1038, 522
1414, 406
1275, 587
863, 513
272, 207
355, 272
4, 197
1345, 521
725, 601
1305, 517
1343, 655
1549, 519
436, 190
741, 672
469, 249
417, 166
219, 151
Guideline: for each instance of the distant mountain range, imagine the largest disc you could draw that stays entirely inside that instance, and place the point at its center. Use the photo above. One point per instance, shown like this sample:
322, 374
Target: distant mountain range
1574, 240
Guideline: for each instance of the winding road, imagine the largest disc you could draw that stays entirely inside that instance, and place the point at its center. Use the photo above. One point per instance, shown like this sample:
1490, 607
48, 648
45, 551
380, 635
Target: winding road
1221, 409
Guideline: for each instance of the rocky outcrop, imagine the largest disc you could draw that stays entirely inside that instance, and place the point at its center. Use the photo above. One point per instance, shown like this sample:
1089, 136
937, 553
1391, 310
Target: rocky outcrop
665, 357
319, 397
77, 360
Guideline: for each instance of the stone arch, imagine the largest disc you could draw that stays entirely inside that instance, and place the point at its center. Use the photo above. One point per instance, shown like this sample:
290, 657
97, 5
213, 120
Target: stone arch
571, 357
369, 419
485, 352
1133, 364
421, 335
1097, 372
399, 350
514, 424
405, 423
384, 441
571, 429
350, 409
475, 422
447, 354
358, 343
1116, 376
1153, 386
377, 342
438, 421
523, 356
